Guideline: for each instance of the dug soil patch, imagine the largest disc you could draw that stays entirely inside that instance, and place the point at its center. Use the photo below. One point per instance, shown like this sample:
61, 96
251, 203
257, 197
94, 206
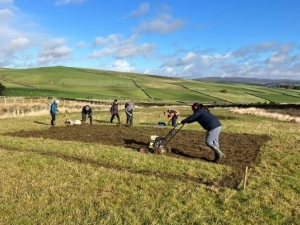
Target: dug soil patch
240, 149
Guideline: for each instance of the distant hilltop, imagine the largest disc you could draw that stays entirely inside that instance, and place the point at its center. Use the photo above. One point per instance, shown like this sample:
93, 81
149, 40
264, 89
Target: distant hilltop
257, 81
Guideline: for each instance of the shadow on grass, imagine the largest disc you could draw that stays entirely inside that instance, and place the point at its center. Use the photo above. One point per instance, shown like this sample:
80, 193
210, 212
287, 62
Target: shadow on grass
38, 122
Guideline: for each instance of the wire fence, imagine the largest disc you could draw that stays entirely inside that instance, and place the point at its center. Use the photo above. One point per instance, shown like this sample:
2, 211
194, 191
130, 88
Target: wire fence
19, 107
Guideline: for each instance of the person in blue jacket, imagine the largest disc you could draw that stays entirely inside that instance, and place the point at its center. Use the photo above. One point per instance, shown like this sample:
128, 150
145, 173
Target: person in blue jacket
211, 124
53, 111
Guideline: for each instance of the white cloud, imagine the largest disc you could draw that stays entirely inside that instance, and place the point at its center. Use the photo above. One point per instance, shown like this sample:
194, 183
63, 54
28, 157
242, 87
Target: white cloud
65, 2
163, 24
131, 50
112, 39
143, 9
188, 67
102, 53
55, 51
4, 14
114, 46
276, 57
121, 65
191, 56
19, 43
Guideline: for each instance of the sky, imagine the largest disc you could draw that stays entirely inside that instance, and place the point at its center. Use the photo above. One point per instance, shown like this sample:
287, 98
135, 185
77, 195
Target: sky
174, 38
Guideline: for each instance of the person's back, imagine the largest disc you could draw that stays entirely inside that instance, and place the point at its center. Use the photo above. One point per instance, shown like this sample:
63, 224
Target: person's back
87, 112
87, 109
114, 109
53, 108
129, 106
207, 120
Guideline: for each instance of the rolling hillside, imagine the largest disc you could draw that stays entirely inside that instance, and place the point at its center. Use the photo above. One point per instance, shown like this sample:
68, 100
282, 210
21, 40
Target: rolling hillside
68, 82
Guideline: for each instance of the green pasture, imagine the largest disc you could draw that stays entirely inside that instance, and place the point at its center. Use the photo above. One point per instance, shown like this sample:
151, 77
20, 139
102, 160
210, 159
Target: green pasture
82, 83
288, 92
279, 98
179, 95
47, 181
17, 92
237, 97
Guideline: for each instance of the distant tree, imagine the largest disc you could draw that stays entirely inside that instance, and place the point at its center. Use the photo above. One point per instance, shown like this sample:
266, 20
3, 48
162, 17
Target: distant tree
2, 88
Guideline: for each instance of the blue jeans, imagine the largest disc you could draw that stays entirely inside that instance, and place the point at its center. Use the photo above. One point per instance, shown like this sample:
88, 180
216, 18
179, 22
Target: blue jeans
129, 118
212, 137
174, 120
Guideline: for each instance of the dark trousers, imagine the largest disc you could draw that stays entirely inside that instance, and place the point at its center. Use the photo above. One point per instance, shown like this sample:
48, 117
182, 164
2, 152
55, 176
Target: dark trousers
89, 116
113, 116
174, 120
53, 119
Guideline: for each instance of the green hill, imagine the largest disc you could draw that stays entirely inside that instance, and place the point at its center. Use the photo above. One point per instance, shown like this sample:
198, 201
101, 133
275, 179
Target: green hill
68, 82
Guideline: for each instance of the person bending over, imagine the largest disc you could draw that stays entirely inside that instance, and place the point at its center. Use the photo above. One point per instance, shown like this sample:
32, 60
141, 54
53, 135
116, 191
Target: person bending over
172, 116
86, 112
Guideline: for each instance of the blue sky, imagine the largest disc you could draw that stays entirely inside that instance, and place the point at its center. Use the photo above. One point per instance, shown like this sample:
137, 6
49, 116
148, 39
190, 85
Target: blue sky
186, 39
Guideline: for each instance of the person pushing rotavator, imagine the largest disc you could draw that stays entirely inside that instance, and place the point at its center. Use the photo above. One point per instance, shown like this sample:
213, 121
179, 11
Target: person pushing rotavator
212, 126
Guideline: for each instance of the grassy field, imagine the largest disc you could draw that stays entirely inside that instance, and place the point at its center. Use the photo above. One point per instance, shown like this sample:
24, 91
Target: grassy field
68, 82
48, 181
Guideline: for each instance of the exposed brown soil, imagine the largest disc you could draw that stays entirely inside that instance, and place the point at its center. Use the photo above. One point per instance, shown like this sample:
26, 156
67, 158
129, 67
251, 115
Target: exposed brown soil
241, 150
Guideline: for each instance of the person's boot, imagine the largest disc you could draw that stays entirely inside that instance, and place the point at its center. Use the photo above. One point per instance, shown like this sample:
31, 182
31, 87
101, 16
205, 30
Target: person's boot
218, 153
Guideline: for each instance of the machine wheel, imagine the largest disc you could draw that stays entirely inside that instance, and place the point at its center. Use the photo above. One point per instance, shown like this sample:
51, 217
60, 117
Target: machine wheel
163, 149
168, 149
143, 150
156, 150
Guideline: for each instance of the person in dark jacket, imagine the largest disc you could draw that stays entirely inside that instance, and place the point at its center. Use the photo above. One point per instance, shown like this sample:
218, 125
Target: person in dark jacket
114, 110
172, 116
87, 112
53, 111
129, 113
211, 124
